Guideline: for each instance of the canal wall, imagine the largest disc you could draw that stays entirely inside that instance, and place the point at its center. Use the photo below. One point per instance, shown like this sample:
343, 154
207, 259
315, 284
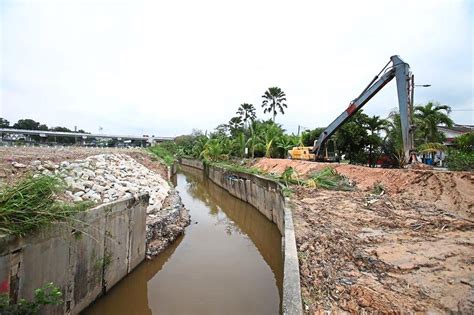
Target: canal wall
267, 197
84, 258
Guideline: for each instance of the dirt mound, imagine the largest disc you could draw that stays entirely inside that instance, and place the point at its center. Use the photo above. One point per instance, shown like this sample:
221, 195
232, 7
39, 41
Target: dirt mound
452, 191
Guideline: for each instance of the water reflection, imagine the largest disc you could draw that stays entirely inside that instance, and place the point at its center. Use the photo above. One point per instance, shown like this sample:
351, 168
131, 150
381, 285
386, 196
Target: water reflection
239, 217
130, 295
229, 261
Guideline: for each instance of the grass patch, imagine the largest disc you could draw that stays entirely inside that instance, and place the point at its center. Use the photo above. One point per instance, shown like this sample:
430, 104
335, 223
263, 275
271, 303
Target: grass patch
228, 165
32, 204
378, 188
329, 178
164, 153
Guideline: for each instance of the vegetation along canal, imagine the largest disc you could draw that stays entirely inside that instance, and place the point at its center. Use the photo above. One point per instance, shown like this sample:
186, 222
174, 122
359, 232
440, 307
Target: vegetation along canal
228, 261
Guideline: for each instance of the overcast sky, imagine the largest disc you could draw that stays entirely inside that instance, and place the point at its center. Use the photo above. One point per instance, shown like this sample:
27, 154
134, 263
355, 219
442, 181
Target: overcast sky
164, 68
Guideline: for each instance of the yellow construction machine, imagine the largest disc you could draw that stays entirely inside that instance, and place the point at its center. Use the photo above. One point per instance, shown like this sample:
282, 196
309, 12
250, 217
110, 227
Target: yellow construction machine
307, 153
301, 153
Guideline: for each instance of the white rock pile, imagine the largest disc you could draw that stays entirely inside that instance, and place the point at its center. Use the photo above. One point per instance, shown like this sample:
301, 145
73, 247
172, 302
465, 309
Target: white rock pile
107, 177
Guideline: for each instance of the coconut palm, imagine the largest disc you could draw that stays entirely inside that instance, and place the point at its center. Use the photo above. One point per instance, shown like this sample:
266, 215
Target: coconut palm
246, 113
273, 101
428, 117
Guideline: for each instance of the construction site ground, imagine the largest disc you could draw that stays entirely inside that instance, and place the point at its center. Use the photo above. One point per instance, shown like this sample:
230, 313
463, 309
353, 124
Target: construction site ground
407, 249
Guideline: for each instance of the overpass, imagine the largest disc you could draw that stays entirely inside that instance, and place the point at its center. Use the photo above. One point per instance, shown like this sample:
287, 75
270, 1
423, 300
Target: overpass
83, 136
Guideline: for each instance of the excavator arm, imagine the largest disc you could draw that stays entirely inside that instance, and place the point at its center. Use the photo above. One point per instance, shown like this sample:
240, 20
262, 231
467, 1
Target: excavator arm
399, 70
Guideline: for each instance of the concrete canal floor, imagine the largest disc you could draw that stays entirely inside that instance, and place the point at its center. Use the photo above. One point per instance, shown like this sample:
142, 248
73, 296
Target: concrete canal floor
227, 262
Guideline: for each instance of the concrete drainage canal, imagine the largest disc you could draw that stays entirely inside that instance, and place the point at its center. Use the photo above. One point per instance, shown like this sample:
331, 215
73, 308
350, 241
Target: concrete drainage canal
228, 261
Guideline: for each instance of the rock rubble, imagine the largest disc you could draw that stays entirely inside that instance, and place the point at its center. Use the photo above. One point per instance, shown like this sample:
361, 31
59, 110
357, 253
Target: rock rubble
104, 178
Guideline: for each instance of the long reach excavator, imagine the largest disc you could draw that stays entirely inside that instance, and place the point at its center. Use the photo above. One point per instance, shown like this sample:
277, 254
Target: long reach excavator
395, 68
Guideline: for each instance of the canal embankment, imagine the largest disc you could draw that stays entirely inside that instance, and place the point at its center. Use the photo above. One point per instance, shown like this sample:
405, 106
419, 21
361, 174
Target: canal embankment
137, 214
267, 197
83, 257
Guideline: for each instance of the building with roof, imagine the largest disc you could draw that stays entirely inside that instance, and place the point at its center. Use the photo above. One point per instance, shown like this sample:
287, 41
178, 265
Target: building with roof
451, 133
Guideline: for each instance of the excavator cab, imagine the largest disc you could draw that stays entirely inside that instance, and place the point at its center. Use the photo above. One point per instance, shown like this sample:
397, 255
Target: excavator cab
329, 152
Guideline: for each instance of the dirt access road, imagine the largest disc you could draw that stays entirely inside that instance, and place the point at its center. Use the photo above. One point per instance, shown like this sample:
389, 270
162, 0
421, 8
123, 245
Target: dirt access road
410, 249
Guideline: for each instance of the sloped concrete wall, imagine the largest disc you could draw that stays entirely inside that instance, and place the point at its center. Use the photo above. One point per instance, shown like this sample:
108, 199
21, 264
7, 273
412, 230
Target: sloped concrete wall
267, 197
192, 163
84, 257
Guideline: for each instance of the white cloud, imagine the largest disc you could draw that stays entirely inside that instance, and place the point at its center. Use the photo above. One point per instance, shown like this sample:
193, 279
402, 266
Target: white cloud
166, 67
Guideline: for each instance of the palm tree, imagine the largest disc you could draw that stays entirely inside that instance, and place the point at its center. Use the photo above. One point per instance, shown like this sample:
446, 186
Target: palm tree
374, 125
246, 113
428, 117
394, 140
274, 100
235, 123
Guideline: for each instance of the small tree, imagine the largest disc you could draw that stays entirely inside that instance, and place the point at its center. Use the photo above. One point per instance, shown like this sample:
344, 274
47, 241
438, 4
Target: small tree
4, 123
352, 139
28, 124
428, 117
235, 125
374, 125
247, 113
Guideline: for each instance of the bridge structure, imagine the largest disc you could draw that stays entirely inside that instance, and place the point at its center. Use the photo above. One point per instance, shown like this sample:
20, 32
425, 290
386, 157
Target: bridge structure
9, 134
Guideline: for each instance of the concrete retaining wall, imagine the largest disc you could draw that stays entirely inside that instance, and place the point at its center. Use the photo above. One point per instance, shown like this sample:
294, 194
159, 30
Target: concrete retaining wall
266, 196
84, 258
172, 169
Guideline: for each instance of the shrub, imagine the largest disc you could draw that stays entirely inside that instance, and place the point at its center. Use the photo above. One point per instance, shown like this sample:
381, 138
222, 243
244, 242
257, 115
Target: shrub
460, 161
32, 203
378, 188
46, 295
329, 178
290, 176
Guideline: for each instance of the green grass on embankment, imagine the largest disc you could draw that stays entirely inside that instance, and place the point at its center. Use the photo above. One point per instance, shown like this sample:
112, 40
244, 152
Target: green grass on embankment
327, 178
32, 203
165, 152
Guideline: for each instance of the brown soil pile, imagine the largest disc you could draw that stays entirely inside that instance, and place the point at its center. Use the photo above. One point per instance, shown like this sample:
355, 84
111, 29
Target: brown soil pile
408, 250
453, 191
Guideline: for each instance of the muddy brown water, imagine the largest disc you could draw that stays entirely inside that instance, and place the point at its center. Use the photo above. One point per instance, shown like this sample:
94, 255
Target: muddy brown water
227, 262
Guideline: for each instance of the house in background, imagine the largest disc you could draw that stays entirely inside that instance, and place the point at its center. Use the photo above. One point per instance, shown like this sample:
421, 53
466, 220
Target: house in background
455, 131
437, 157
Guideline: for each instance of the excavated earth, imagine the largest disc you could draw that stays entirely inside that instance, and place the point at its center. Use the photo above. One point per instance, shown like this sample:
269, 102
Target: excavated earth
408, 249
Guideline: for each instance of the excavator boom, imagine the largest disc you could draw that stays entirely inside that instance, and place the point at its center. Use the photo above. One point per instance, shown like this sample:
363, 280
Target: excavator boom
399, 70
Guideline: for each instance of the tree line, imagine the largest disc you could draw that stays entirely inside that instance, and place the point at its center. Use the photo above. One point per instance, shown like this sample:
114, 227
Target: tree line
367, 140
30, 124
